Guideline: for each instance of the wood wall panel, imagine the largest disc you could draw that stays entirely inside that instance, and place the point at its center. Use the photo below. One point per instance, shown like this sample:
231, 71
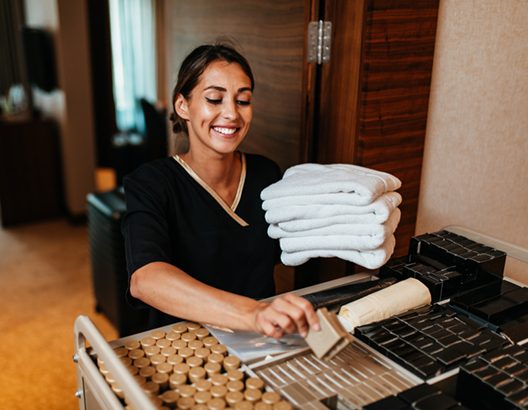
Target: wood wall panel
398, 48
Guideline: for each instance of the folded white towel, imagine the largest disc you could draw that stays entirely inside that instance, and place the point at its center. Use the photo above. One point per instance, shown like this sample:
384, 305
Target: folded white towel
385, 229
332, 242
394, 300
306, 179
384, 204
379, 213
369, 259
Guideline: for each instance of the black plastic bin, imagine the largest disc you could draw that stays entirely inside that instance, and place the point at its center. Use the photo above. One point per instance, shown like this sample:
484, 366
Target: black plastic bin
107, 250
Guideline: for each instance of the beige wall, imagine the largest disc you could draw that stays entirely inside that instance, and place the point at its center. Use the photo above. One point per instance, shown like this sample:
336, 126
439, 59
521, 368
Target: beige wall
475, 170
71, 104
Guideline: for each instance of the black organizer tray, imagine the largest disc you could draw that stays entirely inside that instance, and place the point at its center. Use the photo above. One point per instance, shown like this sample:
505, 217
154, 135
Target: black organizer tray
430, 341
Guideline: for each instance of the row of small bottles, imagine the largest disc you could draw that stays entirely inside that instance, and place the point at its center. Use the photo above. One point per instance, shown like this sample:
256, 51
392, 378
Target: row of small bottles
187, 368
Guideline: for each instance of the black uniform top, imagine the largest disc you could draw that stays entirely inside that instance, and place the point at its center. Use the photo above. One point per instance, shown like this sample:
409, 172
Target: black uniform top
173, 216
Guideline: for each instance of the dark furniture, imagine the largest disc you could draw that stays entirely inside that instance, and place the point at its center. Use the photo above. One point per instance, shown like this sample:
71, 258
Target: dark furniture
107, 251
30, 171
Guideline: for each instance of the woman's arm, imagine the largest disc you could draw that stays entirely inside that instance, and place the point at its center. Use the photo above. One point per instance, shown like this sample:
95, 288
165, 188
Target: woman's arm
171, 290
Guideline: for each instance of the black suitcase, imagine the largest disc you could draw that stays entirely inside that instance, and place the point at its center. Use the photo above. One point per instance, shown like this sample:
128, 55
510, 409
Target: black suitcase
107, 250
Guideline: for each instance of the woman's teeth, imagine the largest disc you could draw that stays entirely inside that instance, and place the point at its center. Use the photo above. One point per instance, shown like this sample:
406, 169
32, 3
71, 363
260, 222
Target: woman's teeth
226, 131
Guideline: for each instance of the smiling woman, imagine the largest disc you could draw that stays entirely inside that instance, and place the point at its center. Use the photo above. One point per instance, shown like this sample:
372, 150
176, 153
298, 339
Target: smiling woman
196, 238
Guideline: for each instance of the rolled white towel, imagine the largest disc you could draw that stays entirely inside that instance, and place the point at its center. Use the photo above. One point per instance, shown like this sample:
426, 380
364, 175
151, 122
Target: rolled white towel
369, 259
384, 204
358, 229
393, 300
307, 179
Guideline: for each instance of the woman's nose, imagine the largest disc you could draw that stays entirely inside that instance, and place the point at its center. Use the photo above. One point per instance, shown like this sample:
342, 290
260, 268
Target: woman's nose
230, 110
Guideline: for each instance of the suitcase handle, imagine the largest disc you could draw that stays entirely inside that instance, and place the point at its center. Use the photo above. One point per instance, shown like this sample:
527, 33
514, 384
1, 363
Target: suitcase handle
85, 330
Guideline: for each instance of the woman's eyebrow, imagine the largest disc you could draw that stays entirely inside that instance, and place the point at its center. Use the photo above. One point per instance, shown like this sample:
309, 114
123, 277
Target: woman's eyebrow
222, 89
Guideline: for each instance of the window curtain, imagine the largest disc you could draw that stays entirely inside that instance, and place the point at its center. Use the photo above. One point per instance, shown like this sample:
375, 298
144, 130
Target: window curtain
133, 33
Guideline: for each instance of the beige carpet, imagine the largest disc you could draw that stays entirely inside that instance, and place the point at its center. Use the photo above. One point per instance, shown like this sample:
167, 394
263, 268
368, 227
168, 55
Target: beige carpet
45, 283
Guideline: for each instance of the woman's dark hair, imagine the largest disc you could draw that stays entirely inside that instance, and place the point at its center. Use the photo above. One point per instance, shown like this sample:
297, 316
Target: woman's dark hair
192, 68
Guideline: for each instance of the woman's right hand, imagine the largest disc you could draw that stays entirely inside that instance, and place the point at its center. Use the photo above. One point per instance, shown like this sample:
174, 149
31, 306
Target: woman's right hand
286, 314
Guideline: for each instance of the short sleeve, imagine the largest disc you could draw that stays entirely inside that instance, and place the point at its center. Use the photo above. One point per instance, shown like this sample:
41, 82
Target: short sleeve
145, 225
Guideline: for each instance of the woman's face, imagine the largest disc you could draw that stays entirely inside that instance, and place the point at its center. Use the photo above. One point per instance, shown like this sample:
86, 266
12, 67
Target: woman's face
219, 110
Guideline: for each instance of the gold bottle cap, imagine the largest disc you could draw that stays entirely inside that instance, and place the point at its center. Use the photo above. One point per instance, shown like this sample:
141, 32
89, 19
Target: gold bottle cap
162, 343
202, 397
177, 379
118, 391
169, 397
172, 336
164, 368
218, 379
210, 341
201, 333
234, 397
196, 373
157, 359
132, 344
194, 361
150, 388
136, 354
120, 351
282, 405
200, 407
216, 404
270, 397
244, 405
262, 406
254, 383
181, 368
158, 334
185, 403
203, 385
156, 400
186, 390
195, 344
215, 358
147, 372
140, 379
234, 375
174, 359
168, 351
162, 379
151, 350
127, 361
235, 385
202, 352
218, 391
141, 362
188, 337
133, 370
179, 328
231, 363
100, 362
102, 368
186, 352
193, 326
148, 341
110, 378
220, 349
179, 344
252, 395
212, 368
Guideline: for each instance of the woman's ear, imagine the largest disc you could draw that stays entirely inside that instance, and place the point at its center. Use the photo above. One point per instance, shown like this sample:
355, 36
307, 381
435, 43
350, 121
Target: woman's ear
181, 107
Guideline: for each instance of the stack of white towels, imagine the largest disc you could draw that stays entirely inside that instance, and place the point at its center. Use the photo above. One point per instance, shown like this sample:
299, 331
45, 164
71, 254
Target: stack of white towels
336, 210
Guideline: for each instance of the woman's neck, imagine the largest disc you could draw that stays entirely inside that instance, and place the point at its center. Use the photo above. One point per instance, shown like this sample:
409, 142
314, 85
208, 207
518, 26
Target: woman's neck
222, 173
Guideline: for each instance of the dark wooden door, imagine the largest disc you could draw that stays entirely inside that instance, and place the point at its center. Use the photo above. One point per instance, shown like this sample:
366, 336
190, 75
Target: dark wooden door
271, 35
374, 93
